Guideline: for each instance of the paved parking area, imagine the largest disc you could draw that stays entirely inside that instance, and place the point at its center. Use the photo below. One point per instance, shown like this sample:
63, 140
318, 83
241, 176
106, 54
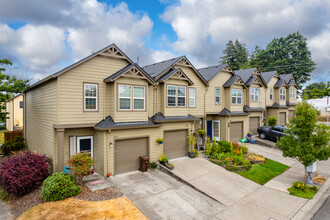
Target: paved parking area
160, 196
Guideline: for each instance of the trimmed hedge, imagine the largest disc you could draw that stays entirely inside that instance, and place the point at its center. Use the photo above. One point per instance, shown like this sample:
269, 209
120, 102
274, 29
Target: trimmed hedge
59, 186
24, 172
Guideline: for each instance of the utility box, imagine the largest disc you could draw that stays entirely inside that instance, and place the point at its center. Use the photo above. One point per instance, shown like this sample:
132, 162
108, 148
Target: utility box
144, 163
311, 168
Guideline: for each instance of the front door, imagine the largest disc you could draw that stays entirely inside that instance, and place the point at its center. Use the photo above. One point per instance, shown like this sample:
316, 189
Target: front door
209, 129
216, 130
85, 144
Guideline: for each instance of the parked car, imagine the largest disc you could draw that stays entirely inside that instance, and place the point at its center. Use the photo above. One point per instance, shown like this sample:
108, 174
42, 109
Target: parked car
273, 133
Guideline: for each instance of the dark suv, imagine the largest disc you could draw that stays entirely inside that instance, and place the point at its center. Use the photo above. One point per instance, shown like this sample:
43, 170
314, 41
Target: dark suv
274, 132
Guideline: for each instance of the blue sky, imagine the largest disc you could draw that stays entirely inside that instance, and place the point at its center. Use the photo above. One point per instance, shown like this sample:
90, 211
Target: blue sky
41, 37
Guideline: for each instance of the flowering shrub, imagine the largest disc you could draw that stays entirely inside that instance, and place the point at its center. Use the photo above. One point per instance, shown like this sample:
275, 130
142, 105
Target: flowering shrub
81, 164
163, 158
59, 186
24, 172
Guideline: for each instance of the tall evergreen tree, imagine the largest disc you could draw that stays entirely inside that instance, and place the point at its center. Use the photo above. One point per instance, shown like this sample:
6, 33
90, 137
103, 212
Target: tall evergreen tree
235, 54
288, 54
9, 86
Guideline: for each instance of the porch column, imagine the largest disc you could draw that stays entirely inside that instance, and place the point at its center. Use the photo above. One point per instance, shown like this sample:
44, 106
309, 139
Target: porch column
60, 149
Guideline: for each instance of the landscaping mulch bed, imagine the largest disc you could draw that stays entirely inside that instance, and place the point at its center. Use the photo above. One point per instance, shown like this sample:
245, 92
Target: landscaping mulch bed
24, 203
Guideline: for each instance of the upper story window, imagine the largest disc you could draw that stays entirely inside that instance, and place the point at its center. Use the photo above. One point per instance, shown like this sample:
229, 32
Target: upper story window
176, 96
271, 93
255, 94
292, 93
90, 97
217, 96
21, 104
236, 96
131, 97
282, 94
192, 97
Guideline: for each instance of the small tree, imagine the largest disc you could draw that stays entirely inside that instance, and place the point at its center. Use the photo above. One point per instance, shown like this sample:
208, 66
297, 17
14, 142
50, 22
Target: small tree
191, 142
81, 164
272, 121
306, 141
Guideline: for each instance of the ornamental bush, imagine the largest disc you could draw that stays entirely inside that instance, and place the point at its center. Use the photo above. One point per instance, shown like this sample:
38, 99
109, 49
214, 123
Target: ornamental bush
225, 146
272, 121
59, 186
24, 172
81, 164
10, 146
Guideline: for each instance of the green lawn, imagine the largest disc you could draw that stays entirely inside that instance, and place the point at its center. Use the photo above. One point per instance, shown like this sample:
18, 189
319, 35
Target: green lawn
262, 173
308, 195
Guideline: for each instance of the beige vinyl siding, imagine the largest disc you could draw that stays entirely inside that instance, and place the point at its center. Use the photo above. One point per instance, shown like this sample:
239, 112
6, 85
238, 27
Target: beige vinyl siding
71, 103
216, 82
130, 115
261, 103
271, 84
9, 116
41, 114
155, 149
110, 100
150, 101
100, 149
237, 107
200, 91
176, 111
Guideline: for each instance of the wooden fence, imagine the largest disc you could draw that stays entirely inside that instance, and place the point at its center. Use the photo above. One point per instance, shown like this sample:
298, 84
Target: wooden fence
11, 135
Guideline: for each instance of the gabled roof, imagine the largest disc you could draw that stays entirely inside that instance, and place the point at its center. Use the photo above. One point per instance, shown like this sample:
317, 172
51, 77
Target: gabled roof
109, 124
279, 83
245, 74
159, 117
110, 51
176, 74
232, 80
156, 70
267, 76
134, 69
226, 112
289, 79
14, 97
210, 72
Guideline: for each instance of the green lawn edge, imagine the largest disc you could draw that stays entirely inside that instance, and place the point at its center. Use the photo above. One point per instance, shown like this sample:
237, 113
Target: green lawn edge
262, 173
307, 195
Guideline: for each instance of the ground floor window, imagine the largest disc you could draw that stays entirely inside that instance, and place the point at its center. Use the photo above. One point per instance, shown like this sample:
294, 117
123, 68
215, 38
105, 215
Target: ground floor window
80, 144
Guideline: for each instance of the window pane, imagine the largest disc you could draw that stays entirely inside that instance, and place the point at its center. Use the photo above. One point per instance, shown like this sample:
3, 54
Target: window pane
125, 91
252, 97
217, 100
216, 129
181, 101
138, 103
181, 91
257, 91
233, 100
90, 103
192, 92
239, 100
239, 92
124, 103
171, 91
191, 102
233, 92
171, 101
256, 98
138, 92
90, 90
85, 145
217, 92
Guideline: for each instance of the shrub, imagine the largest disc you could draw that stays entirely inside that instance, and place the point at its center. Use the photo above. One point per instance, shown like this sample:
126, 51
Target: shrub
208, 148
81, 164
10, 146
59, 186
302, 190
24, 172
225, 146
153, 165
163, 158
4, 196
272, 121
244, 149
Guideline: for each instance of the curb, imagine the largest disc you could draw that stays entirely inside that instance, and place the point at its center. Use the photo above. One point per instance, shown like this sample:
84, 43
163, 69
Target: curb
305, 211
170, 173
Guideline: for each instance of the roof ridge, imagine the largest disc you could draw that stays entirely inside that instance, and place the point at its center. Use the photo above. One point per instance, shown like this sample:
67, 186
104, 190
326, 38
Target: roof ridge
163, 61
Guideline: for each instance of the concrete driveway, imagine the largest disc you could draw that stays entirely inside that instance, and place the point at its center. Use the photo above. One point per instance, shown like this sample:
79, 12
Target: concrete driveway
160, 196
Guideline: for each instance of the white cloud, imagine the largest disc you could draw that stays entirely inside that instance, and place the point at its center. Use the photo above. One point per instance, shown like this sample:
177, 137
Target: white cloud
160, 55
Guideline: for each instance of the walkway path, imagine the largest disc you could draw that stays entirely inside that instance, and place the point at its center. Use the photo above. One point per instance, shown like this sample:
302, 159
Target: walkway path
4, 211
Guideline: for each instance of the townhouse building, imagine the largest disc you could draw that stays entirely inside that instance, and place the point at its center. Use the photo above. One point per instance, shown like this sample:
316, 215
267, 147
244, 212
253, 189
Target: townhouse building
116, 110
14, 118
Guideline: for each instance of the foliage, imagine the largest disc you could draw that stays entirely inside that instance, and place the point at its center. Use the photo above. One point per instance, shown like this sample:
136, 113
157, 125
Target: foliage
262, 173
272, 121
254, 158
9, 86
320, 93
225, 146
24, 172
306, 141
81, 164
4, 195
197, 153
288, 54
171, 165
300, 189
244, 149
163, 158
153, 165
11, 146
202, 133
59, 186
235, 55
312, 87
208, 147
191, 142
159, 140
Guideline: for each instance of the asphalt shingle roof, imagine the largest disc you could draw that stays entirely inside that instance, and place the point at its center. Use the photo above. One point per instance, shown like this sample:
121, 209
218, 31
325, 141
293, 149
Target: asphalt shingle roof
157, 68
170, 73
276, 105
267, 76
209, 72
230, 81
248, 109
226, 112
279, 83
159, 117
250, 81
108, 123
245, 74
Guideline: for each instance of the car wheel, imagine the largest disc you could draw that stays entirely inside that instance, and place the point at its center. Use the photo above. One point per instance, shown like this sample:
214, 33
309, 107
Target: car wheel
262, 135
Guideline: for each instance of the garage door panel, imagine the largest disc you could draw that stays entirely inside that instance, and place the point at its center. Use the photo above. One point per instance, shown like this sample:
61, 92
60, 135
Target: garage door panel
254, 124
175, 144
236, 131
128, 152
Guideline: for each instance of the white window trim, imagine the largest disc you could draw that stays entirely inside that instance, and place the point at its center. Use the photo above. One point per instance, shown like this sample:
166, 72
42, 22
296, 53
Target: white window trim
85, 137
216, 138
192, 97
217, 96
282, 95
253, 94
130, 98
138, 98
177, 96
91, 97
271, 93
236, 97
